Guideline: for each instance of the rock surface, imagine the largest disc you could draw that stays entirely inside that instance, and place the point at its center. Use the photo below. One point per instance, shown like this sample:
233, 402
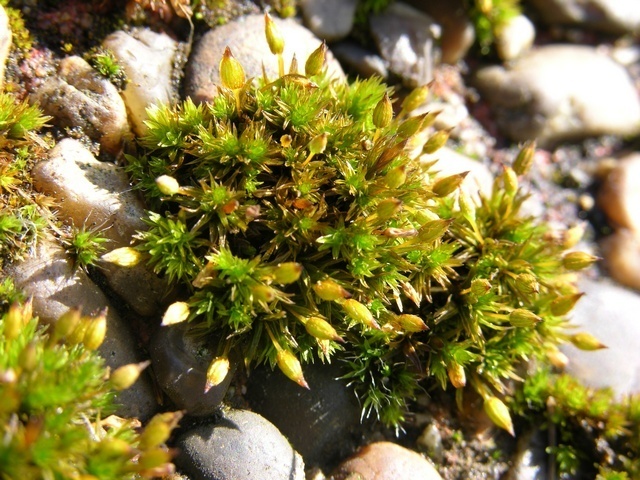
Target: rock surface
98, 195
245, 37
5, 42
359, 60
458, 33
330, 20
406, 39
386, 461
240, 446
147, 58
621, 252
180, 364
78, 96
561, 92
610, 313
515, 38
614, 16
328, 412
55, 286
619, 196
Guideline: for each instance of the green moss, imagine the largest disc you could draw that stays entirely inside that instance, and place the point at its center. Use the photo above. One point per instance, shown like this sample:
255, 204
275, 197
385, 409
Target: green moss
55, 399
414, 281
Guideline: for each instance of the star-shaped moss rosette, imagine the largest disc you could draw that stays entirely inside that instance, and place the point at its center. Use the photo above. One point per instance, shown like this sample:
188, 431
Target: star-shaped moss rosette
298, 216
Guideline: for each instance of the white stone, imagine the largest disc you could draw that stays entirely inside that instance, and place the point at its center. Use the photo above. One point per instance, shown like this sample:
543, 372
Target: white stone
406, 39
80, 97
89, 192
515, 38
330, 20
147, 58
611, 314
55, 286
561, 92
619, 196
615, 16
98, 195
5, 42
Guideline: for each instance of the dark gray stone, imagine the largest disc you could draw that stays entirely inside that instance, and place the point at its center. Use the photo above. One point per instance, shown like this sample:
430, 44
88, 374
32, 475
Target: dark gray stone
322, 423
180, 364
359, 60
242, 445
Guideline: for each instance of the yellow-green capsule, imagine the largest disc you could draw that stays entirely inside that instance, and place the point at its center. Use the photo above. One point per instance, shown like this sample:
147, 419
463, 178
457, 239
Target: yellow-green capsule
586, 341
521, 317
152, 458
167, 185
564, 304
273, 34
557, 358
527, 284
383, 112
177, 312
396, 177
13, 321
217, 372
318, 143
572, 236
315, 61
287, 272
329, 290
499, 414
28, 358
410, 323
457, 375
322, 330
96, 331
290, 366
158, 429
263, 293
67, 322
510, 181
123, 257
388, 208
524, 160
447, 185
433, 230
578, 260
480, 286
416, 98
126, 375
231, 72
360, 313
436, 141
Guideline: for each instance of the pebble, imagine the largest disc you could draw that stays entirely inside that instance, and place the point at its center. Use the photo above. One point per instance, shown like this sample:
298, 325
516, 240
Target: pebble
619, 196
180, 363
5, 42
330, 20
561, 92
621, 252
406, 39
328, 412
55, 286
386, 461
613, 16
609, 312
458, 33
78, 96
246, 39
530, 459
147, 58
98, 195
359, 60
241, 445
515, 38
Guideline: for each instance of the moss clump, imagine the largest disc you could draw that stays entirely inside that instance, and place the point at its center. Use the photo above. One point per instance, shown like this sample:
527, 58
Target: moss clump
489, 17
596, 433
300, 220
55, 395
